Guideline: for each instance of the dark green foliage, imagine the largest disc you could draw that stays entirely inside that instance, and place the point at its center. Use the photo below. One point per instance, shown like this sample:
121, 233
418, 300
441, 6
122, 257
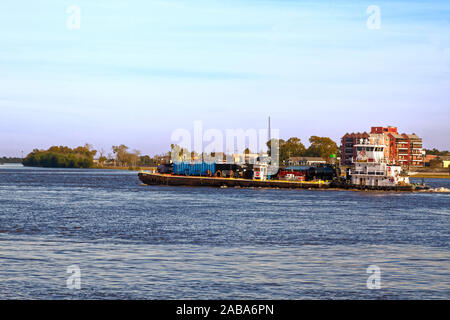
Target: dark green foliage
293, 147
146, 161
321, 147
61, 157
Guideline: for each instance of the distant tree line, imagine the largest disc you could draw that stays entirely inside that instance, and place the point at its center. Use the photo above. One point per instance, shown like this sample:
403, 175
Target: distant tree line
436, 152
10, 160
83, 157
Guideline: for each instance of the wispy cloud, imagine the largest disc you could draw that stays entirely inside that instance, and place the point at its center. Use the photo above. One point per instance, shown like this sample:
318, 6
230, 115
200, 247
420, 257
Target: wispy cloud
196, 59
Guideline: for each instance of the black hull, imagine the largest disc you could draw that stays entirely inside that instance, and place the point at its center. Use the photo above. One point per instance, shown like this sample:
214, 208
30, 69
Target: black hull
194, 181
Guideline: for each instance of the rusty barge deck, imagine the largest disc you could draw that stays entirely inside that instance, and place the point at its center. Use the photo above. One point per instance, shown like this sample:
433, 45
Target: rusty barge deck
196, 181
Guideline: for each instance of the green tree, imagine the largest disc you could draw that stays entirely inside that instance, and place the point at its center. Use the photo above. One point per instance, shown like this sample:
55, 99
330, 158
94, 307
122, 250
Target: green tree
102, 160
146, 161
293, 147
121, 154
61, 157
321, 147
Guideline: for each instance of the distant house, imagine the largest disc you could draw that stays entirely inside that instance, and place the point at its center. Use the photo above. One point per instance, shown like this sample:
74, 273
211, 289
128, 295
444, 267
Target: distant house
305, 161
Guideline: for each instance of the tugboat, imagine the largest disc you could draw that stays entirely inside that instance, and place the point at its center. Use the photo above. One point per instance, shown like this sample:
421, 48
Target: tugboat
372, 171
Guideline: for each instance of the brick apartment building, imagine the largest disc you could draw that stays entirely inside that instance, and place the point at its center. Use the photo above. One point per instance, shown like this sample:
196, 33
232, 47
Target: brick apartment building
348, 149
403, 149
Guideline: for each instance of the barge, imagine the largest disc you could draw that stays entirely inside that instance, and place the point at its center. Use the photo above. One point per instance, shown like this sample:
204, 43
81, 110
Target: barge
198, 181
369, 172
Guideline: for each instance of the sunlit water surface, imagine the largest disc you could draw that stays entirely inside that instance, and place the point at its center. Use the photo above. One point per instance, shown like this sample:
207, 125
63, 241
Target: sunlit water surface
153, 242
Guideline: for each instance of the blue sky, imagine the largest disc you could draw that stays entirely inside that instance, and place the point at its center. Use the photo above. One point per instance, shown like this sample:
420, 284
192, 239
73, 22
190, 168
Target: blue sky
137, 70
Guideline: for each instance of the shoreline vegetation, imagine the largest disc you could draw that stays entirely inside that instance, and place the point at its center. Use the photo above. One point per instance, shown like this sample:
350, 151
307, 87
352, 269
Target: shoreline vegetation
61, 157
83, 157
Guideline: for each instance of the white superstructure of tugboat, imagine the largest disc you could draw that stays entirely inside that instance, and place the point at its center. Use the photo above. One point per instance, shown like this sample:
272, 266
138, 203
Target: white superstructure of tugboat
371, 168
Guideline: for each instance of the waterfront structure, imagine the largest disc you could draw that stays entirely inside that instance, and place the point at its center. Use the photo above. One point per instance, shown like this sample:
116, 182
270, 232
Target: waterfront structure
399, 149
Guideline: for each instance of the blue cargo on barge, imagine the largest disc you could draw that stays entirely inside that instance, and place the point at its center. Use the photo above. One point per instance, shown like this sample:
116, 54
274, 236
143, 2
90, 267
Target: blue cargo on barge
194, 169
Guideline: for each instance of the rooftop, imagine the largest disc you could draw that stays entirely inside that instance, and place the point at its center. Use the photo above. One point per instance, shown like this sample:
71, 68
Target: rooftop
413, 136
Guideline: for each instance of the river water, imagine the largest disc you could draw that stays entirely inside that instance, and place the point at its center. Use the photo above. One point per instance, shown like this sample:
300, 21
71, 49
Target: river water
131, 241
